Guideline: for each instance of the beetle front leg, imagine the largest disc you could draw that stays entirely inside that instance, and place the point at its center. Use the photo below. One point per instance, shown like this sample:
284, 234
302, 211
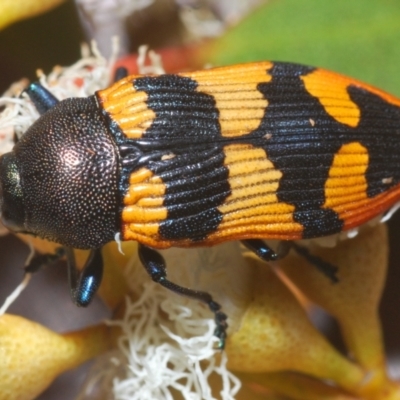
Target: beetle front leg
41, 260
84, 284
43, 99
155, 266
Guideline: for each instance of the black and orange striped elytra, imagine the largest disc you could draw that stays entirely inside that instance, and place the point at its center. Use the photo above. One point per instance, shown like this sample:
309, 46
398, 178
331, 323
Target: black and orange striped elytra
253, 151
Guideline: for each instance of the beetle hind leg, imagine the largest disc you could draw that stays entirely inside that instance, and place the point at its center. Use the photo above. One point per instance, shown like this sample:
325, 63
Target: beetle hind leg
263, 251
329, 270
155, 266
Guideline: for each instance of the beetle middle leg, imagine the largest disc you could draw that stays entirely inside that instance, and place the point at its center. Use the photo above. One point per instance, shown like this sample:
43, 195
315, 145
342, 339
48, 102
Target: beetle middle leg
155, 266
262, 250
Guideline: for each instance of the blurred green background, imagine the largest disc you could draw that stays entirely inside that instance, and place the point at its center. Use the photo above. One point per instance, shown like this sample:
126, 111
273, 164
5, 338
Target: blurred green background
360, 38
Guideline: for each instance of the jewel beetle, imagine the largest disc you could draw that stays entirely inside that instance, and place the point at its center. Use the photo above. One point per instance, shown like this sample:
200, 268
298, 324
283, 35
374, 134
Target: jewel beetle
255, 151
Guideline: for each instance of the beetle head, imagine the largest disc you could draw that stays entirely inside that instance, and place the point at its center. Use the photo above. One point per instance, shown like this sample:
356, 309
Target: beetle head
60, 180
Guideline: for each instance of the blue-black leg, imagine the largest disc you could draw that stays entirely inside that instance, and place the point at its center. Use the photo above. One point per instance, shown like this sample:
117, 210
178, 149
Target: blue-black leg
120, 73
262, 250
84, 284
155, 266
42, 260
44, 100
41, 97
326, 268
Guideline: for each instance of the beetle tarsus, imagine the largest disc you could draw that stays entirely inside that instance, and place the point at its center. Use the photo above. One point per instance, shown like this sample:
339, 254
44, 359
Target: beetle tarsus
263, 251
155, 266
41, 97
84, 284
325, 267
221, 324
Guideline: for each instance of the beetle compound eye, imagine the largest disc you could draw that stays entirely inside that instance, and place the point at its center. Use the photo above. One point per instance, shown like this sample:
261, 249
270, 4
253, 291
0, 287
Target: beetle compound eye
11, 199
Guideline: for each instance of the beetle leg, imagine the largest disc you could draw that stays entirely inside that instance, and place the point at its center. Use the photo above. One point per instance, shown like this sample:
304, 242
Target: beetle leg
84, 284
44, 100
155, 266
41, 97
120, 73
42, 260
325, 267
262, 250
